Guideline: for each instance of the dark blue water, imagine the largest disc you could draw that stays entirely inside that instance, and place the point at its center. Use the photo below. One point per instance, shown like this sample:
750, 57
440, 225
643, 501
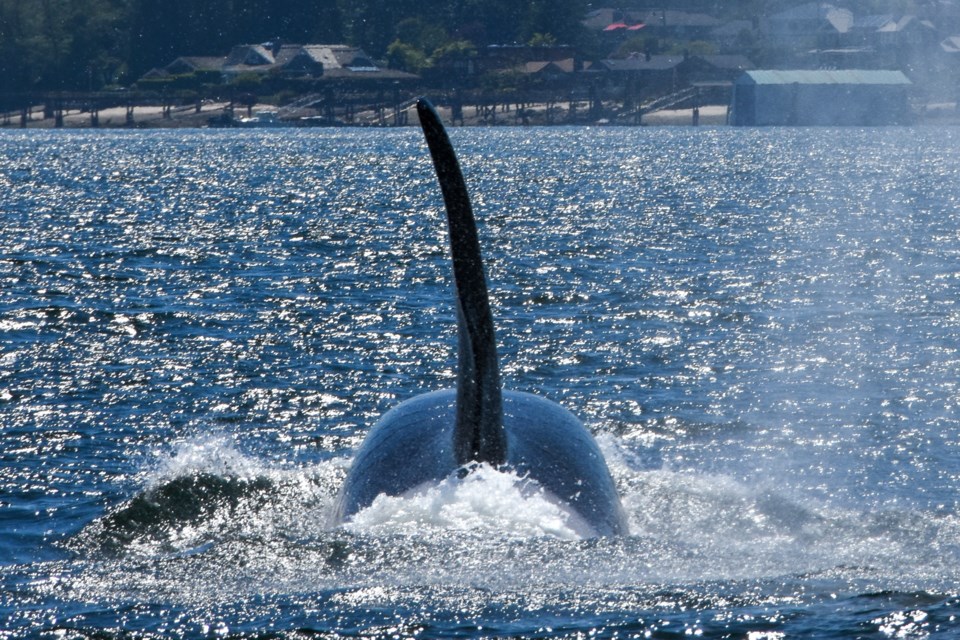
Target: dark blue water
761, 327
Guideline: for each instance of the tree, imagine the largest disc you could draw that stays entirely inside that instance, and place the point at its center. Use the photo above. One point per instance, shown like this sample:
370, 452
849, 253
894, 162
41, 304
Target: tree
61, 44
406, 57
542, 40
84, 44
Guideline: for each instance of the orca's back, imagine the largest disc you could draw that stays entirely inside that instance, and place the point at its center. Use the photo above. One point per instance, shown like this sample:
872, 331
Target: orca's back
412, 444
550, 445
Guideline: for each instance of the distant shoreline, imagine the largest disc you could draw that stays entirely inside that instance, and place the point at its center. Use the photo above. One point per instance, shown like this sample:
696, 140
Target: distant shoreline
153, 117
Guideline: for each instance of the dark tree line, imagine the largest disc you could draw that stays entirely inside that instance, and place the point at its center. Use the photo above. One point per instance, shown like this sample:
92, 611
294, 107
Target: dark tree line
61, 43
79, 45
91, 44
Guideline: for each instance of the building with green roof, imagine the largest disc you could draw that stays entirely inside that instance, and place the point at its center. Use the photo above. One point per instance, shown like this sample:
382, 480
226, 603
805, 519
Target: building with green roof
848, 97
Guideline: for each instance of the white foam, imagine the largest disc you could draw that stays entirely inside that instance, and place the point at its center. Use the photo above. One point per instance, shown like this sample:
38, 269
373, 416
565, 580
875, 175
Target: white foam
213, 454
485, 500
686, 524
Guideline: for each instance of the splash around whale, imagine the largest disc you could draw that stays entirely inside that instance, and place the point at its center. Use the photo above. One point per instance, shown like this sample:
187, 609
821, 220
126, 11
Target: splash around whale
432, 436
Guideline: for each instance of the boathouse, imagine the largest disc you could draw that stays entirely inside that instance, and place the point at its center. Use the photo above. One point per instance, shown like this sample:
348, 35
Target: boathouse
850, 97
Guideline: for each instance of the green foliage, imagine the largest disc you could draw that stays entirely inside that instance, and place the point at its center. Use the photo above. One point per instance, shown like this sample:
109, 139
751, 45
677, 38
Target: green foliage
693, 48
247, 82
62, 44
501, 81
425, 36
156, 85
415, 37
283, 97
638, 44
188, 83
406, 57
655, 46
542, 40
454, 50
91, 44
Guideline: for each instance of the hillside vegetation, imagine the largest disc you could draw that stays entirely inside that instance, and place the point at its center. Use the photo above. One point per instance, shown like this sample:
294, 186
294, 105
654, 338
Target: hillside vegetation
84, 45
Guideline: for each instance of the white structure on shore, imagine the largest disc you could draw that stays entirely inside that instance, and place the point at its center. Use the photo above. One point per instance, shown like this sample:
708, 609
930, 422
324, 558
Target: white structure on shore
819, 97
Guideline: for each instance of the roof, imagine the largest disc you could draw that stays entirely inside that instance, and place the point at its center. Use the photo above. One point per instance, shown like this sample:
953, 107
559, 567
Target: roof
844, 76
335, 61
556, 66
728, 61
249, 55
155, 73
339, 56
641, 63
198, 63
672, 18
326, 61
873, 22
732, 28
600, 18
615, 26
839, 19
951, 44
904, 23
613, 19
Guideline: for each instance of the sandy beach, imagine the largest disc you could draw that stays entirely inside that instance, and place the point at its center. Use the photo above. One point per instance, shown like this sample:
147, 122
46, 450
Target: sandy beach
116, 117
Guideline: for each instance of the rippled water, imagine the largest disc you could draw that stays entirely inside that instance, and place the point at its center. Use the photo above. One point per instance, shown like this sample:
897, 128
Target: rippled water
761, 327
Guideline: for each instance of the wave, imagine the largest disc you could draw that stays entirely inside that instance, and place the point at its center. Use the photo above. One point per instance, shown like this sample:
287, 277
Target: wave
207, 491
498, 529
189, 501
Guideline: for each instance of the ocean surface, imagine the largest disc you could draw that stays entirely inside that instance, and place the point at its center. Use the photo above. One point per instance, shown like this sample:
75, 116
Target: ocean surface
761, 327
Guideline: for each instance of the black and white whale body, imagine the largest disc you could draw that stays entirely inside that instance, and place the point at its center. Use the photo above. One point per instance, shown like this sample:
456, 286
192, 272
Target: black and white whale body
431, 436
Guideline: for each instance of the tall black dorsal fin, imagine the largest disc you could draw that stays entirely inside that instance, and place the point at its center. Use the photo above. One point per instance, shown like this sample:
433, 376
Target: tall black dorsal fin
479, 434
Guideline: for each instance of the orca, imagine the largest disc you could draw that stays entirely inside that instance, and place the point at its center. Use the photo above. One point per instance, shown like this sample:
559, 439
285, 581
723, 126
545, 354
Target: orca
430, 437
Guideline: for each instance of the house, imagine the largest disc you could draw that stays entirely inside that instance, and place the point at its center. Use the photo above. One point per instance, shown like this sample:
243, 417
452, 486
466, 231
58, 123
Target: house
676, 25
187, 66
651, 75
658, 23
720, 67
826, 98
898, 36
813, 25
950, 60
906, 32
250, 56
733, 35
842, 58
864, 30
296, 60
706, 67
196, 64
551, 73
655, 73
600, 19
321, 62
309, 61
340, 61
503, 57
951, 45
613, 21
